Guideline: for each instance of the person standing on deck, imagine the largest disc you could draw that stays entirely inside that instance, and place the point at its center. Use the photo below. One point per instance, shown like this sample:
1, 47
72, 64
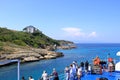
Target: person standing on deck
67, 73
82, 65
79, 73
71, 73
44, 76
74, 69
31, 78
55, 74
23, 78
86, 66
89, 68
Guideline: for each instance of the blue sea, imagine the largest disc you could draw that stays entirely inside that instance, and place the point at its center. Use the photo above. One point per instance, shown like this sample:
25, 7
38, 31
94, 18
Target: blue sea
82, 53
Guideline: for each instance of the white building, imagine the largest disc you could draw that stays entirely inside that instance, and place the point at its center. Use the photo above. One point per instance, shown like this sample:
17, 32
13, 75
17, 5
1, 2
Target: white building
30, 29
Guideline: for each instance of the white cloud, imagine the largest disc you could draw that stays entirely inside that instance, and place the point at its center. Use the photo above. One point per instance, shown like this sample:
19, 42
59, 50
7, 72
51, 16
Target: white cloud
92, 34
78, 33
72, 31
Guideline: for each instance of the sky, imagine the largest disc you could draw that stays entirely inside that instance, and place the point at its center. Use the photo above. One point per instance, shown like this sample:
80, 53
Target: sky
80, 21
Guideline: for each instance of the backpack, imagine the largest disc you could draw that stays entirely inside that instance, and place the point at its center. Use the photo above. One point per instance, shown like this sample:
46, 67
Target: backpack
55, 74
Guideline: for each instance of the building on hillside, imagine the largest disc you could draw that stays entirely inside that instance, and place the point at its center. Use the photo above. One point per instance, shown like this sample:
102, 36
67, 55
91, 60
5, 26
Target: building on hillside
30, 29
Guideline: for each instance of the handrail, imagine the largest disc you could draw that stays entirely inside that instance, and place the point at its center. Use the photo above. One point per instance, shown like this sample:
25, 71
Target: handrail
12, 61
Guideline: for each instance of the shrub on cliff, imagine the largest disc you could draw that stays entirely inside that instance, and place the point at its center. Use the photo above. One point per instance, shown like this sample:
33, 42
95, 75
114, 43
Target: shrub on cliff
36, 39
20, 42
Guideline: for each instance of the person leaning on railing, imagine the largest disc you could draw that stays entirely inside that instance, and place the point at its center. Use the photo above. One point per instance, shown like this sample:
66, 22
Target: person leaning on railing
55, 74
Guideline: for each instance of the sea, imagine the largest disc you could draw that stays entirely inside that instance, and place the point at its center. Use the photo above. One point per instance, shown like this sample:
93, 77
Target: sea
83, 52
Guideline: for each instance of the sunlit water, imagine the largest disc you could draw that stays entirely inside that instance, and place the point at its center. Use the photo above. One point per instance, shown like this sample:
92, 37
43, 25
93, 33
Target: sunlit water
83, 52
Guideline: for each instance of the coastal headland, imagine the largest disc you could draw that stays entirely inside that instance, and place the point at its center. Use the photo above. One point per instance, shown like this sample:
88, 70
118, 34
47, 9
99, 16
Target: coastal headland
30, 46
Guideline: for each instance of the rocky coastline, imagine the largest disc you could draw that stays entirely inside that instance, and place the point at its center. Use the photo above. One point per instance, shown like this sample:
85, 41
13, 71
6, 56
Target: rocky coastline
29, 46
66, 47
30, 54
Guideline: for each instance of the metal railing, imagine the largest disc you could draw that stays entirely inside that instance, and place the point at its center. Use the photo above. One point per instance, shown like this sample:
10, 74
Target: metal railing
12, 61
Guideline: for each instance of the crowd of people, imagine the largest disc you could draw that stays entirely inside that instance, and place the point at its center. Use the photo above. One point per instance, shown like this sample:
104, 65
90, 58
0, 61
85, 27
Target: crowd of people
72, 72
45, 76
54, 75
75, 71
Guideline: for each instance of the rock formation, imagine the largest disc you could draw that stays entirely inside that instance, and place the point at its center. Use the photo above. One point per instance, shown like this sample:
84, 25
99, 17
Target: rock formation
28, 54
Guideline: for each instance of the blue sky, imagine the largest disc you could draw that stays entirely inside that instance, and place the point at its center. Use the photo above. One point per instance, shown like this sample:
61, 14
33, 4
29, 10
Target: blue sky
83, 21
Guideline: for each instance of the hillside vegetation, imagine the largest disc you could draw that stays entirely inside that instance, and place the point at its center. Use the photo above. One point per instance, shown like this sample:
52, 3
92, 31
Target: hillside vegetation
36, 39
28, 46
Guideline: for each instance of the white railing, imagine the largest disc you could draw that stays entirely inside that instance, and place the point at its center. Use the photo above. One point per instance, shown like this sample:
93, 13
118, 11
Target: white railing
12, 61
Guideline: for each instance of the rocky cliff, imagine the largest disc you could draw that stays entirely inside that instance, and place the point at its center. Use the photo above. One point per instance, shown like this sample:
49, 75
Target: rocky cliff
66, 45
26, 54
30, 46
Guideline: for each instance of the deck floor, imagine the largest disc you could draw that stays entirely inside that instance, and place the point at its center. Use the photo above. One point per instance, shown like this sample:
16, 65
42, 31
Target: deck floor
108, 75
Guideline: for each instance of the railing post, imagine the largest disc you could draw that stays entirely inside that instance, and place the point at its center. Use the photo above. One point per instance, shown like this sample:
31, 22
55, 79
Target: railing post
18, 72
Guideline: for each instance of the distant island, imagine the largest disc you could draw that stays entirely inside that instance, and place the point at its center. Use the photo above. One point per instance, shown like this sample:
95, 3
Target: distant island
30, 45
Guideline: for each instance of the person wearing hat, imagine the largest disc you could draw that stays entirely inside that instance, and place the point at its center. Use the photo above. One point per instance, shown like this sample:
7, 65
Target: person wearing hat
44, 76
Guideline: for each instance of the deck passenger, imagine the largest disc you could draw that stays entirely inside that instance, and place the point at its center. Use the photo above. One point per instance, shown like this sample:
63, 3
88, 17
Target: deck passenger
55, 74
67, 73
110, 67
31, 78
89, 68
71, 72
44, 76
74, 69
82, 65
86, 66
79, 73
97, 61
23, 78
